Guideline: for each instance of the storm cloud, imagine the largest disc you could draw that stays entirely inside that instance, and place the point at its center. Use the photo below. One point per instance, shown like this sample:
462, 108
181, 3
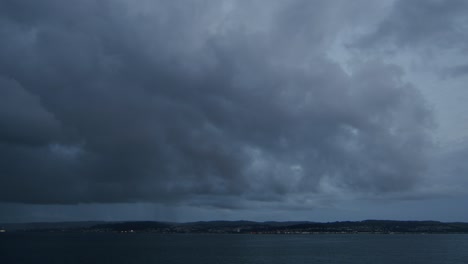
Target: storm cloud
215, 103
421, 23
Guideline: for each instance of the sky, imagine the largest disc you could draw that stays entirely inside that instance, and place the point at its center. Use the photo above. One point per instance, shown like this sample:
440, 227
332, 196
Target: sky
219, 109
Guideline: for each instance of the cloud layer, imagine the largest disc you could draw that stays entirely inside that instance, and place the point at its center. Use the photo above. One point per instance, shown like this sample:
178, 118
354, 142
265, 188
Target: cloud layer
212, 102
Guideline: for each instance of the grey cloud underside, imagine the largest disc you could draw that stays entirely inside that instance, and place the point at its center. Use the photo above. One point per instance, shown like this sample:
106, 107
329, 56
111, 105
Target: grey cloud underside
430, 25
104, 102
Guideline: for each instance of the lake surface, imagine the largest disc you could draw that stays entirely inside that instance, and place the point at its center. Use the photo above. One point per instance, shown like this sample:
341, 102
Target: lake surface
232, 249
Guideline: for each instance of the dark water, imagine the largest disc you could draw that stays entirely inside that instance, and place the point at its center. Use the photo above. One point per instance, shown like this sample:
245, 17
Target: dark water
219, 249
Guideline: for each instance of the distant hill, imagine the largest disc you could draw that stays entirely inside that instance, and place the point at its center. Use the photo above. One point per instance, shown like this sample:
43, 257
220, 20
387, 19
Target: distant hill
226, 227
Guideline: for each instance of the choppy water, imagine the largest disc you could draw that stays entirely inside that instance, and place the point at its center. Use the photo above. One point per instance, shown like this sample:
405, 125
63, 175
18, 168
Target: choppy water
235, 249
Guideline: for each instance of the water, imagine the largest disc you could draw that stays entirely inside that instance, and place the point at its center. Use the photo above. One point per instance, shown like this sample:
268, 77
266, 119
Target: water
231, 249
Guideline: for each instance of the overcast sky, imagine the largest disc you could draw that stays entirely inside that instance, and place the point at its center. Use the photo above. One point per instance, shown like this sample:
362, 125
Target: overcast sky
261, 110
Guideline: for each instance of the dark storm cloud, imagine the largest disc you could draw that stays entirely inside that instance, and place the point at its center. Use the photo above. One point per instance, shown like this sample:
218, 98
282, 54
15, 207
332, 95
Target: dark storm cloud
115, 101
456, 71
434, 32
423, 23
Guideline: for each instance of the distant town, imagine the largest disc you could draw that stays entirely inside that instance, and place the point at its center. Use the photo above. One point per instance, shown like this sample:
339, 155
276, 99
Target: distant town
246, 227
